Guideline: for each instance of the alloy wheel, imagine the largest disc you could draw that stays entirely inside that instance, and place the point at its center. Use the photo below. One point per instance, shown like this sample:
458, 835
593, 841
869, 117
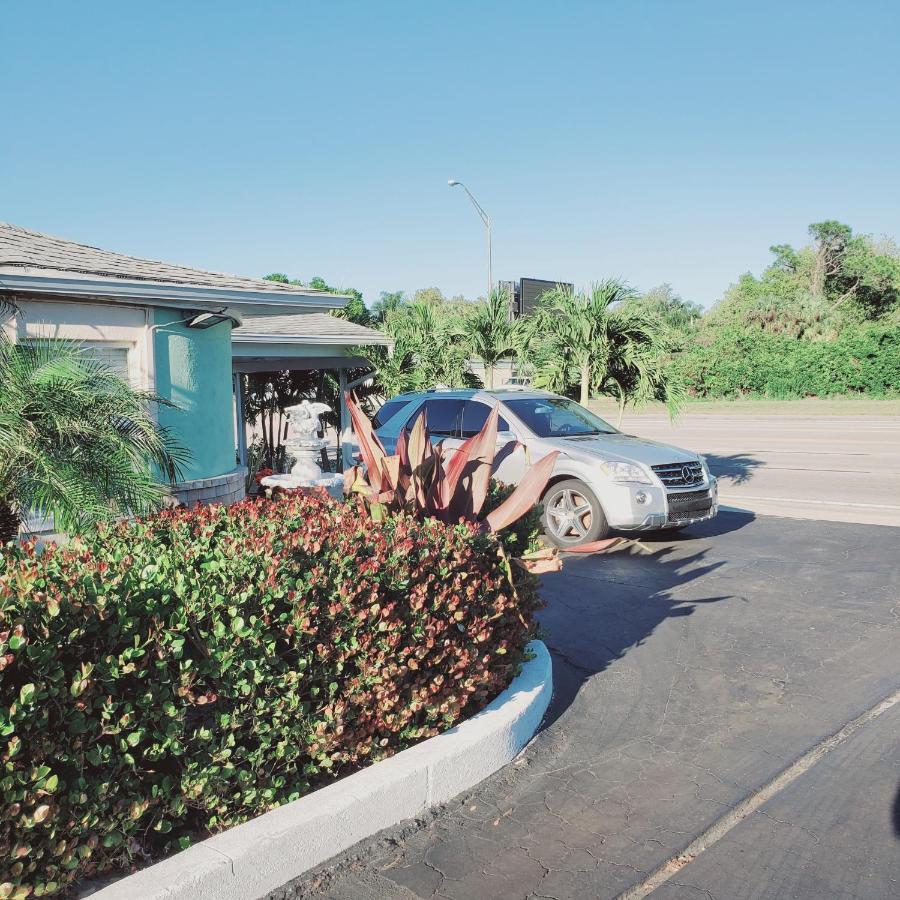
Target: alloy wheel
569, 515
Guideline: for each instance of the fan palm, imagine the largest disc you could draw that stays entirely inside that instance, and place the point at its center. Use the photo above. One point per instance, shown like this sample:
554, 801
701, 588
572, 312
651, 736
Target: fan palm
490, 333
76, 441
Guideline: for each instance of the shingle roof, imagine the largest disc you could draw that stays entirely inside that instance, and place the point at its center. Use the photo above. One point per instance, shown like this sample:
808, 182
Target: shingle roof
312, 327
21, 248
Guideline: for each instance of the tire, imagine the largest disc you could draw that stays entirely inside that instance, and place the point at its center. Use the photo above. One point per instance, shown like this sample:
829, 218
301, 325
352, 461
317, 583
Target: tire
572, 514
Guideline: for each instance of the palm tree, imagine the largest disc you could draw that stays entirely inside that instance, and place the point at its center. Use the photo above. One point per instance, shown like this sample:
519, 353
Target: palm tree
76, 441
636, 367
602, 343
387, 304
427, 350
490, 333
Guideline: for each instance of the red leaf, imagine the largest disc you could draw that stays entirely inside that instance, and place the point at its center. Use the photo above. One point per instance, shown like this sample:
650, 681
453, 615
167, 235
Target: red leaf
539, 566
525, 495
595, 546
369, 446
481, 455
420, 451
391, 469
402, 449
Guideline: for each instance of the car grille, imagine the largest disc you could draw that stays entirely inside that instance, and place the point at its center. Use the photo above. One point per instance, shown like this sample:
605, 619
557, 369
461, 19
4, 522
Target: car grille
680, 474
688, 505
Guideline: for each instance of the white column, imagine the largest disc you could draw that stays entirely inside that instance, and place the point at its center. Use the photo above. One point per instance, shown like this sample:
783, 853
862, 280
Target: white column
347, 444
239, 423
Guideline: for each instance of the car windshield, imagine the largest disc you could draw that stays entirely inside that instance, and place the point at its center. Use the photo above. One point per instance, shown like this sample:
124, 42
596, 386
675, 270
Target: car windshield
558, 417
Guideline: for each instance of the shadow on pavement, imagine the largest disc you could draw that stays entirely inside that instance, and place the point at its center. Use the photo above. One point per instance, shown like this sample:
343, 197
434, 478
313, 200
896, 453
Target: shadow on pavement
737, 468
896, 813
599, 607
724, 523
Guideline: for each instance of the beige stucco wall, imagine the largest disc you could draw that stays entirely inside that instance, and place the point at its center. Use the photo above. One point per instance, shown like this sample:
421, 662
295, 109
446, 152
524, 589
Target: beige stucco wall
108, 324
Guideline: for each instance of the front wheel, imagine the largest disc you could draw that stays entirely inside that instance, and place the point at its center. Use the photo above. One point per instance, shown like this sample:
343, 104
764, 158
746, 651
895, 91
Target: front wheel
573, 515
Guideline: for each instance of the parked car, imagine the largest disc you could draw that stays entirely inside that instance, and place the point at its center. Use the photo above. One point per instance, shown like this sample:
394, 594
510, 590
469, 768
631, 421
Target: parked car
603, 479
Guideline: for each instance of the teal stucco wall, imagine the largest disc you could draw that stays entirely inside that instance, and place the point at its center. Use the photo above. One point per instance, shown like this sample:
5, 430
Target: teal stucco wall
193, 371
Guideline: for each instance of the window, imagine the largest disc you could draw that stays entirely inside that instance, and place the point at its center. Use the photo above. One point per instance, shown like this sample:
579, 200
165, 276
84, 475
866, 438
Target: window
475, 415
388, 411
441, 416
114, 357
556, 417
112, 354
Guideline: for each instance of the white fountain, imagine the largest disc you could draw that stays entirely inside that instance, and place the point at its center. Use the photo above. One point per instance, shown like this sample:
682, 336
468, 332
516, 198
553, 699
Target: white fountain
304, 445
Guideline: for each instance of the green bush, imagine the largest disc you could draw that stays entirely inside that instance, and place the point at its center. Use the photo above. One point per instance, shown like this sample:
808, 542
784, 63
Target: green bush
739, 361
166, 678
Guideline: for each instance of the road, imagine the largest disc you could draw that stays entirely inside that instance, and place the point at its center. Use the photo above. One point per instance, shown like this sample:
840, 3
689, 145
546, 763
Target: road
696, 690
833, 468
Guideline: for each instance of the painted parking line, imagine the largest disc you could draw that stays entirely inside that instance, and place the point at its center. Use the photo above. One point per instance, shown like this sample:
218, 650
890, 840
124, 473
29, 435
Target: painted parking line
754, 801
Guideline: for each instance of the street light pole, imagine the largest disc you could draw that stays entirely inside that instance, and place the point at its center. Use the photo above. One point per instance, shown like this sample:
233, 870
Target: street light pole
486, 219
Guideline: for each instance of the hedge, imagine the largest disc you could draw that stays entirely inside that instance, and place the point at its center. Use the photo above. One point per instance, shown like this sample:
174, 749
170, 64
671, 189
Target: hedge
864, 359
167, 678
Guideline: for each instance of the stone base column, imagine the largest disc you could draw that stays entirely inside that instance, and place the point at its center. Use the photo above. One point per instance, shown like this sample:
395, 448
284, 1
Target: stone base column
228, 488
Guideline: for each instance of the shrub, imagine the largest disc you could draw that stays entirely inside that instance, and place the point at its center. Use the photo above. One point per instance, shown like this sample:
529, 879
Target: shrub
175, 676
863, 359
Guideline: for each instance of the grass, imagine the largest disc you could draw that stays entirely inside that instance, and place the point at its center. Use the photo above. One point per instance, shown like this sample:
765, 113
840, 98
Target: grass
762, 406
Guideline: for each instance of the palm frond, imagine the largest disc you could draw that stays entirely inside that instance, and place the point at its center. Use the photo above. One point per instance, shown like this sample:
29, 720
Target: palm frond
76, 441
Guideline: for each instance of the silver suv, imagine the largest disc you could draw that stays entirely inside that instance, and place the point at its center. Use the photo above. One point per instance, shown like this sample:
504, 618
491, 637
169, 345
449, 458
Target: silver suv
602, 479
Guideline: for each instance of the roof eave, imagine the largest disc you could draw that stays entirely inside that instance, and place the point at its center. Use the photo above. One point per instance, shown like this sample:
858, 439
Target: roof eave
318, 340
154, 292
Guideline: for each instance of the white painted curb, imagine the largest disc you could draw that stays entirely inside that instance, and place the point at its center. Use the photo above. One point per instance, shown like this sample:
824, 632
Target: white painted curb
249, 860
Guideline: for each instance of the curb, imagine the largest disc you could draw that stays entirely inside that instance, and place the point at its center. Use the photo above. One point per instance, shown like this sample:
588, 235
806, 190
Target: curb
249, 860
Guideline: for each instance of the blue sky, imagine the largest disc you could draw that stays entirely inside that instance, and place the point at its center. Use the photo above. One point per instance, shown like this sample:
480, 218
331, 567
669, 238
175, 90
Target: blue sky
656, 141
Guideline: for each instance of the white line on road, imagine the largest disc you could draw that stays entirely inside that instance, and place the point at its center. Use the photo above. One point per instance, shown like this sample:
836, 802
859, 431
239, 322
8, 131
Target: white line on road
799, 501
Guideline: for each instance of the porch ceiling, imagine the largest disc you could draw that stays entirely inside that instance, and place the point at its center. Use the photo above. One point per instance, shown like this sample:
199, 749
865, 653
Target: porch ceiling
240, 363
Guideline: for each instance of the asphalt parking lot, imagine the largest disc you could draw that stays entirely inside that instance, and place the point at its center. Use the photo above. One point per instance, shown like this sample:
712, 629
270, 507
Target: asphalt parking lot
686, 680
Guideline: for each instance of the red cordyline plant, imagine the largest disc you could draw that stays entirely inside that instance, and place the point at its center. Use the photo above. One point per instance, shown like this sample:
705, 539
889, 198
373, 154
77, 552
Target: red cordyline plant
430, 480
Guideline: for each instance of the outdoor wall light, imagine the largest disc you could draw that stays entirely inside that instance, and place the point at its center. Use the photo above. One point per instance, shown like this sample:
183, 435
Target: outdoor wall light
206, 320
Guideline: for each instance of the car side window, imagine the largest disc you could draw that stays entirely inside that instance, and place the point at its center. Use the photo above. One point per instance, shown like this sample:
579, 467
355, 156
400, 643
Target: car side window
388, 411
441, 416
474, 415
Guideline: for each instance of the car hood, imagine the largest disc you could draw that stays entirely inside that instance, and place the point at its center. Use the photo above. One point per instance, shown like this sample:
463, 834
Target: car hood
621, 446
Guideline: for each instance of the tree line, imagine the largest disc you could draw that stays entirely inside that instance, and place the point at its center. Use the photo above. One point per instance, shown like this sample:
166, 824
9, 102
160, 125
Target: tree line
819, 320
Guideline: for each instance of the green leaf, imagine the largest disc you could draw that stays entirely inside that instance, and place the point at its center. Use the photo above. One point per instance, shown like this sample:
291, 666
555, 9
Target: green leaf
26, 693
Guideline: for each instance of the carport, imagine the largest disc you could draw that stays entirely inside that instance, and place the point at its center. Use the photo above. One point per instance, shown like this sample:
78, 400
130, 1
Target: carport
301, 343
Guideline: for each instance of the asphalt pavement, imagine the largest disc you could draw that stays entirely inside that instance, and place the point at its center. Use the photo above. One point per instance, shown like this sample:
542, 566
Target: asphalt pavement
830, 467
702, 699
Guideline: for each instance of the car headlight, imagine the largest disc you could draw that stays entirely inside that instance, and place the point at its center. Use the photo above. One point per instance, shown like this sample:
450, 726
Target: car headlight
704, 465
616, 470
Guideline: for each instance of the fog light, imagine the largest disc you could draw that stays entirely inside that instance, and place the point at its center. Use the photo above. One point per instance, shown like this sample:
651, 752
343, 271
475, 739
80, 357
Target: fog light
641, 497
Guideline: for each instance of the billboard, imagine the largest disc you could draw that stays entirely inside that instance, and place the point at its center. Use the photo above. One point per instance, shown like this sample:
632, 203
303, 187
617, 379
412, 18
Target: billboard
532, 289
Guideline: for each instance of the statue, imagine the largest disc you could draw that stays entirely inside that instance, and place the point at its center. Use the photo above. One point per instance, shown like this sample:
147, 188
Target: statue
303, 421
304, 445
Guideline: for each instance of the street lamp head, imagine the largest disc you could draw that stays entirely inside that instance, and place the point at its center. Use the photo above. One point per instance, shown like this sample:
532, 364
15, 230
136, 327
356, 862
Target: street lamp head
453, 182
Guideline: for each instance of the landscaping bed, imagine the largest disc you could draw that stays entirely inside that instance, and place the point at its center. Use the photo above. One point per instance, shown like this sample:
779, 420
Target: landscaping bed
168, 678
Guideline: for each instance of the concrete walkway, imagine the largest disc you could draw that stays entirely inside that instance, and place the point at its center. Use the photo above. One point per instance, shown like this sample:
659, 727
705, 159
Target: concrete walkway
686, 680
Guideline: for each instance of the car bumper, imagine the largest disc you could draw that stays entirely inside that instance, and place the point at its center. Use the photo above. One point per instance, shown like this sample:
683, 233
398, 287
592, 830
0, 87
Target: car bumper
633, 507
